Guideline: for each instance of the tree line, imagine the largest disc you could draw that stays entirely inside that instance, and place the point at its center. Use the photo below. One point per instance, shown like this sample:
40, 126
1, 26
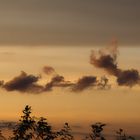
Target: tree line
32, 128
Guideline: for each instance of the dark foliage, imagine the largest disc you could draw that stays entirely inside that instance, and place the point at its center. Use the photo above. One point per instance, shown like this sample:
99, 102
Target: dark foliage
65, 133
97, 130
31, 128
44, 130
122, 136
26, 126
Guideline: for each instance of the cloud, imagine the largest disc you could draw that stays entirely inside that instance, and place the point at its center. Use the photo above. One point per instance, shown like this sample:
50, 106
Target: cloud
84, 83
23, 83
29, 83
103, 83
107, 59
48, 70
57, 81
1, 83
128, 78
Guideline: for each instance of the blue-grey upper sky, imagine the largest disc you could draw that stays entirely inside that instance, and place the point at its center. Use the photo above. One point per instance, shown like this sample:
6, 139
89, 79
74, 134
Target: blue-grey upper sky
69, 22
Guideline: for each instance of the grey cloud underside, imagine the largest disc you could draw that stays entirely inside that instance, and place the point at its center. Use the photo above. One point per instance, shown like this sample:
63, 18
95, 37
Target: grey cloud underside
69, 22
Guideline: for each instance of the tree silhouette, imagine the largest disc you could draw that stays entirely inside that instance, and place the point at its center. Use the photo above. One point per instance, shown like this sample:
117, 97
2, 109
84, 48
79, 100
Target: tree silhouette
122, 136
31, 128
65, 133
44, 130
28, 129
96, 134
26, 126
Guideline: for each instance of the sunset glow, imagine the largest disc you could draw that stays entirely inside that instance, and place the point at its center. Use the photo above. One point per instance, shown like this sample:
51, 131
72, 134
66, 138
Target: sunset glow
72, 61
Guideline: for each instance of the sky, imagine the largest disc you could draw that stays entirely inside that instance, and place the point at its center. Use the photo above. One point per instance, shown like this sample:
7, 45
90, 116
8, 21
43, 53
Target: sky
69, 22
77, 42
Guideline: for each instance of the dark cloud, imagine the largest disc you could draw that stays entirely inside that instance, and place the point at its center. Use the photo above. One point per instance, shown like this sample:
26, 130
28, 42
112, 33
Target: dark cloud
84, 83
29, 83
1, 83
23, 83
57, 81
106, 62
128, 78
103, 83
48, 70
107, 59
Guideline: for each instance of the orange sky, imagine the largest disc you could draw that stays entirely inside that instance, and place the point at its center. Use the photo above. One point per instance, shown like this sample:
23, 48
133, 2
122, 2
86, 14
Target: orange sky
61, 34
119, 104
